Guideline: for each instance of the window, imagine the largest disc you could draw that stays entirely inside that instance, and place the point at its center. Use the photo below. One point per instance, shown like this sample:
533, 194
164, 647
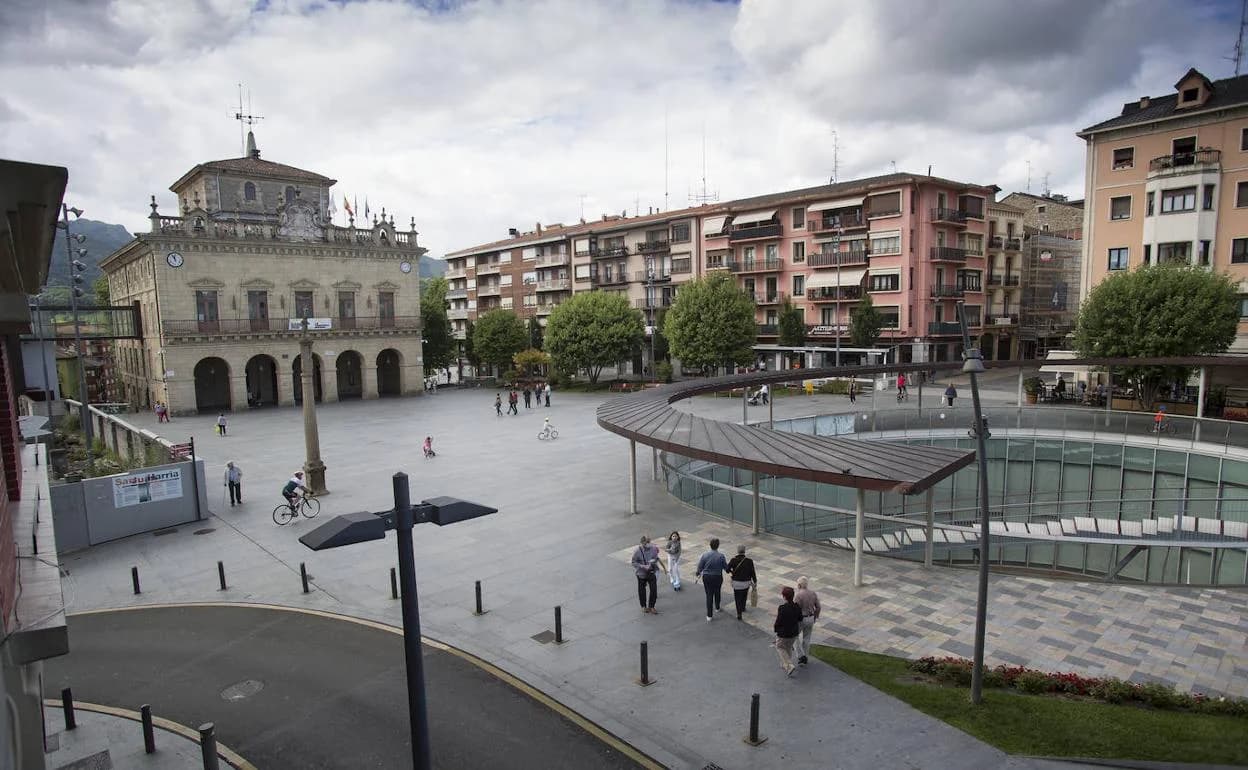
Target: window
799, 252
1039, 210
799, 218
1243, 307
206, 310
680, 232
885, 283
1148, 204
1241, 195
887, 204
1120, 208
970, 280
973, 315
1148, 252
1206, 202
1204, 252
1239, 251
1117, 259
290, 194
1191, 94
249, 192
973, 205
748, 253
385, 308
773, 252
890, 317
1180, 252
1182, 199
799, 285
1124, 157
303, 304
889, 244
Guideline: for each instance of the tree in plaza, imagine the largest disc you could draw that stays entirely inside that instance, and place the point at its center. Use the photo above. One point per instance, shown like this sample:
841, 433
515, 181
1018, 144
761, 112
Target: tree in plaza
100, 287
592, 330
439, 342
865, 323
792, 332
497, 336
711, 323
528, 361
535, 334
1157, 311
465, 346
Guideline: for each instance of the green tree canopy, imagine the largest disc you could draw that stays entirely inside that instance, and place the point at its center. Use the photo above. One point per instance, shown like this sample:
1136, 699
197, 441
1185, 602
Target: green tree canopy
535, 334
592, 330
1154, 311
865, 323
711, 323
100, 287
497, 336
528, 361
466, 347
792, 325
439, 342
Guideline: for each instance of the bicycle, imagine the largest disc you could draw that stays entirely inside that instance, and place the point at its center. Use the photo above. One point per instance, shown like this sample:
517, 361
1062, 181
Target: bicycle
1164, 426
309, 506
903, 395
547, 432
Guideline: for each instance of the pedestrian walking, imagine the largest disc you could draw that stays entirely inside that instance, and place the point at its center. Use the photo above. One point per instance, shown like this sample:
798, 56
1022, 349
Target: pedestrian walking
234, 480
528, 395
808, 600
513, 401
741, 573
787, 627
853, 391
162, 412
221, 423
950, 394
765, 393
646, 566
673, 559
710, 570
498, 404
547, 392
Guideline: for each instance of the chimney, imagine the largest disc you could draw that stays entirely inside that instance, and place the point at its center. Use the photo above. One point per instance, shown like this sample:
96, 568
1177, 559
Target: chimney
1144, 101
513, 232
538, 228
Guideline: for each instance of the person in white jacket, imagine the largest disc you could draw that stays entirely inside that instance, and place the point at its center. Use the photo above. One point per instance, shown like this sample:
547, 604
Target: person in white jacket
673, 559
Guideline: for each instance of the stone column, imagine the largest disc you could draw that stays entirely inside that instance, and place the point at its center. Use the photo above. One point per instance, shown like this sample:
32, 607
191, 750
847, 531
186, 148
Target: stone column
368, 376
285, 381
329, 377
313, 468
238, 391
859, 524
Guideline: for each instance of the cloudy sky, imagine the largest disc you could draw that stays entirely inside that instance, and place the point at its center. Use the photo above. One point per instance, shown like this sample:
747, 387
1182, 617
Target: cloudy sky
478, 116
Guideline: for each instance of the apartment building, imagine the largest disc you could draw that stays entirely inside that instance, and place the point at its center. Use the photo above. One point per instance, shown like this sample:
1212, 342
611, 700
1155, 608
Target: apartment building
1167, 181
917, 244
1052, 213
1004, 283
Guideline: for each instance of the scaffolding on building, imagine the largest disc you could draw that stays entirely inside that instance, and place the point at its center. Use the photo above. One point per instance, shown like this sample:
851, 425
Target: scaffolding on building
1050, 302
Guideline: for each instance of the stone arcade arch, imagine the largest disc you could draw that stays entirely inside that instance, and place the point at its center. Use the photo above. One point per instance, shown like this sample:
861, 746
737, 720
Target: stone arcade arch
389, 372
212, 385
350, 367
297, 375
261, 381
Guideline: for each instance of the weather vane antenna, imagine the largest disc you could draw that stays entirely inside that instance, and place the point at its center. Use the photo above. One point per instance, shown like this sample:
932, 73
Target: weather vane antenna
245, 119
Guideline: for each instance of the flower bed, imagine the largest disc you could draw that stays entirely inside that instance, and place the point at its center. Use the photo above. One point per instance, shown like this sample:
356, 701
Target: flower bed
1033, 682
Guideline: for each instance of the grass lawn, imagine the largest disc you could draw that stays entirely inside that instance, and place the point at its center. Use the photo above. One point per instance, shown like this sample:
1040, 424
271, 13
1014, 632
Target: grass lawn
1043, 725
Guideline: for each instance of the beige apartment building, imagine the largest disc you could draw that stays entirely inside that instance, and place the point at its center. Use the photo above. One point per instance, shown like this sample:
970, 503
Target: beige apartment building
1167, 181
222, 291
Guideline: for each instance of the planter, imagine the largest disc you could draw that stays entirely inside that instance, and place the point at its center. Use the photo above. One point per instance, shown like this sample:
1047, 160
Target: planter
1033, 398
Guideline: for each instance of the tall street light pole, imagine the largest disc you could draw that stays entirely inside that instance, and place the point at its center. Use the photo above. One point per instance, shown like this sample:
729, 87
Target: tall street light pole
75, 269
650, 300
836, 254
313, 468
973, 366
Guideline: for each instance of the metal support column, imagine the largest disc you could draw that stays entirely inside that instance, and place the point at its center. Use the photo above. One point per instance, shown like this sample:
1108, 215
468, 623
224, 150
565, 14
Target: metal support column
859, 522
1200, 399
754, 505
1020, 396
1109, 393
632, 476
654, 464
745, 405
930, 502
771, 409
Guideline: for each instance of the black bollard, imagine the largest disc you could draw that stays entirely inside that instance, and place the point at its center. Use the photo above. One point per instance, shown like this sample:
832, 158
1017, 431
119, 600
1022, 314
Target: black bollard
303, 575
208, 745
754, 739
394, 584
134, 578
645, 680
149, 735
558, 625
67, 705
221, 574
478, 592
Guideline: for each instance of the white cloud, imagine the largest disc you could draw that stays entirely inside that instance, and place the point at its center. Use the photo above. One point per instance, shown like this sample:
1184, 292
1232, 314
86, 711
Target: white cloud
479, 116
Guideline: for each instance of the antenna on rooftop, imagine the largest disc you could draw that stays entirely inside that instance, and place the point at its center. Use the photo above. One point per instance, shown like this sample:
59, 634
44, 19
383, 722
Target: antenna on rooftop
836, 157
1047, 191
665, 156
1239, 41
705, 196
1029, 177
583, 207
245, 119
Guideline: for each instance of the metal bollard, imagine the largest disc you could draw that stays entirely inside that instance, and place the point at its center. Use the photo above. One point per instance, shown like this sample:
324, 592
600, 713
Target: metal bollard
208, 745
478, 592
221, 574
754, 739
149, 735
67, 705
645, 680
134, 578
558, 624
303, 575
394, 584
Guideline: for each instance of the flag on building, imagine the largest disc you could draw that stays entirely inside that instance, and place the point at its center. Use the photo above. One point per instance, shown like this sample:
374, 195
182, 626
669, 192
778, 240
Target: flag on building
331, 211
366, 211
346, 206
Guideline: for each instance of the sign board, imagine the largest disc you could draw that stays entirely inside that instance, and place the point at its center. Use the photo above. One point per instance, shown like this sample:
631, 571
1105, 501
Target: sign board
826, 330
168, 373
150, 487
314, 324
180, 451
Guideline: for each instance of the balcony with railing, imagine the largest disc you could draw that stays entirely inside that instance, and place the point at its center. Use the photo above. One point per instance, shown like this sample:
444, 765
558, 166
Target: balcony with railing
948, 290
457, 314
1012, 280
545, 308
682, 265
754, 265
657, 301
231, 229
948, 216
768, 330
652, 247
457, 293
996, 280
608, 279
772, 298
489, 268
1185, 163
287, 327
455, 272
754, 232
555, 284
551, 260
1003, 319
606, 252
834, 294
944, 327
848, 220
854, 257
489, 290
947, 254
661, 275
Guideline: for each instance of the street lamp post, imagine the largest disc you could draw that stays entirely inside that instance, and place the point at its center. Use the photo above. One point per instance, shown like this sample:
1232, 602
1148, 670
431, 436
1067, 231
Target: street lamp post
43, 359
312, 465
654, 372
973, 366
364, 526
836, 254
75, 272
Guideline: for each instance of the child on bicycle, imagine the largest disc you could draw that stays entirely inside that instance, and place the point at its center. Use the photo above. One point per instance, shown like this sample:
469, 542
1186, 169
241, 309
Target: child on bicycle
1159, 419
288, 491
428, 447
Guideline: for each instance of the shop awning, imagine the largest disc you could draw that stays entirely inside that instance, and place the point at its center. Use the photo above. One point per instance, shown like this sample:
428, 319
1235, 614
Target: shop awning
826, 279
836, 204
713, 225
751, 217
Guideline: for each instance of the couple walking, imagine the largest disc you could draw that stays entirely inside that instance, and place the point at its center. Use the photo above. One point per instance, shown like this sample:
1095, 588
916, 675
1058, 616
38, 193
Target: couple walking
795, 620
711, 568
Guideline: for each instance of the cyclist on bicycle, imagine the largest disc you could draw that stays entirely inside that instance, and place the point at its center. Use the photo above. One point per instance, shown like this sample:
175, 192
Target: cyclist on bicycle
288, 491
546, 427
1159, 419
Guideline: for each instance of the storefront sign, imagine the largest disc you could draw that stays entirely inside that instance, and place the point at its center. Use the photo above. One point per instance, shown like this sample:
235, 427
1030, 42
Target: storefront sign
151, 487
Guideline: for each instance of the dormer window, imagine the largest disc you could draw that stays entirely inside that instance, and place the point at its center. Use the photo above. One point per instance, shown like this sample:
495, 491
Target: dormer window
249, 192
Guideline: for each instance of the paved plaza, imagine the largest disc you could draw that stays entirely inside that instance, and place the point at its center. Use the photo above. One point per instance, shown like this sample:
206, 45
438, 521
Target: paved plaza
562, 537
